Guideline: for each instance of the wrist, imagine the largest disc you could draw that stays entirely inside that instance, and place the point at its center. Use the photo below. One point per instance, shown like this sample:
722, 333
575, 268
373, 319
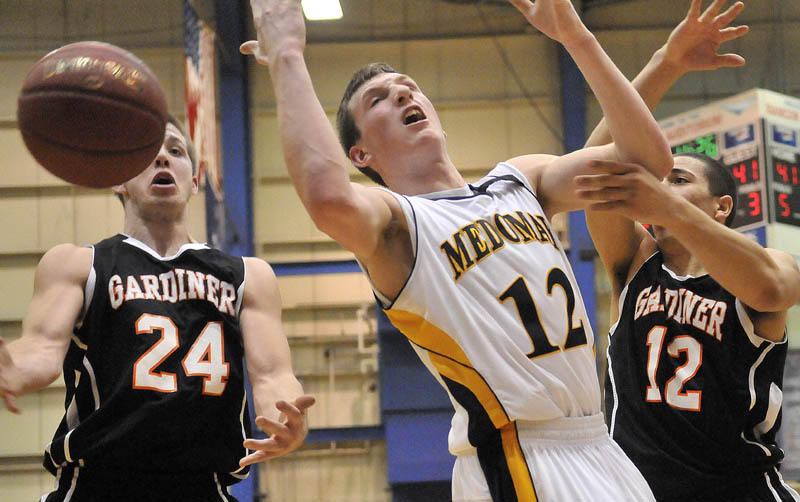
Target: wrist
286, 54
581, 40
666, 67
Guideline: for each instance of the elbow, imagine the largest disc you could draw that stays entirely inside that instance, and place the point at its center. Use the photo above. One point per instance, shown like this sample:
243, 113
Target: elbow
771, 297
662, 160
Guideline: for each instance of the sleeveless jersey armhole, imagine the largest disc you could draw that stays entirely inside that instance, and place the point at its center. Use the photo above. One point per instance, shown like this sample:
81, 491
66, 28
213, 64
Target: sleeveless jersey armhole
411, 221
624, 293
88, 291
517, 173
240, 290
749, 327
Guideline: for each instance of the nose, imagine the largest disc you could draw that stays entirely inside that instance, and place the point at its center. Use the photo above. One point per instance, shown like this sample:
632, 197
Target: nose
162, 159
402, 94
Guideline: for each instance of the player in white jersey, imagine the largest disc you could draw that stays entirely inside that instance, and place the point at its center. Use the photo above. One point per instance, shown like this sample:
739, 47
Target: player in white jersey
471, 274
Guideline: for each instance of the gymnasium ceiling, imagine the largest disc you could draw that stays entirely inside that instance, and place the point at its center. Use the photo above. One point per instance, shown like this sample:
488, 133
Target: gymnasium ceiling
36, 25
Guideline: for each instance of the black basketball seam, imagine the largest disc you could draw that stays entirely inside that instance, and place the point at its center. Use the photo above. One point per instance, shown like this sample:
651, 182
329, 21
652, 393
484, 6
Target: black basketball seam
87, 150
93, 93
124, 102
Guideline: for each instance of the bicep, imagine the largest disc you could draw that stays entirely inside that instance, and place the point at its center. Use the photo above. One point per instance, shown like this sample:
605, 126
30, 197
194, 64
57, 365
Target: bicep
58, 299
552, 177
266, 347
359, 219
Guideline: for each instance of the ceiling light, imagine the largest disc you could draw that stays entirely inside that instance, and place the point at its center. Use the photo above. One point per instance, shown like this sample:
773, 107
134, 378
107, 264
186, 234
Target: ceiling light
319, 10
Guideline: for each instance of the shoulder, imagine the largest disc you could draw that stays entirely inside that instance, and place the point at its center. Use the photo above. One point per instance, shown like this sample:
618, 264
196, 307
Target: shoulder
66, 262
258, 269
261, 284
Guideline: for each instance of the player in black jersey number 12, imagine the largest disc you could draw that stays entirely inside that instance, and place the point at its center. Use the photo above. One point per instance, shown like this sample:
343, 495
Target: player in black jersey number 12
696, 357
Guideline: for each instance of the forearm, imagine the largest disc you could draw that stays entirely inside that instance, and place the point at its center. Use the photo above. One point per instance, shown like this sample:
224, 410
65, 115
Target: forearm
34, 366
740, 265
312, 152
652, 83
636, 134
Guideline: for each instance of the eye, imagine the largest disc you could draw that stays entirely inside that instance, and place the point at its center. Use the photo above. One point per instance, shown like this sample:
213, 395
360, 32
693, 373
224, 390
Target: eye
680, 180
375, 101
176, 151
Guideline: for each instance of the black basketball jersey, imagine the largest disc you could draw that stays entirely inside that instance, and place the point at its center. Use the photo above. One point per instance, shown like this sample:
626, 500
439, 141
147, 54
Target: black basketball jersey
693, 396
154, 371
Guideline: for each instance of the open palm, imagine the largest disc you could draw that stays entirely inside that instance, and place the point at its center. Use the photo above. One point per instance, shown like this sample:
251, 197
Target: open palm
695, 42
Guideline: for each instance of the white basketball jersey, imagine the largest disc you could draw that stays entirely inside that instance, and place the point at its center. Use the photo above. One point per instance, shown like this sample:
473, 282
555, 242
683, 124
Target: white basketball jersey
493, 309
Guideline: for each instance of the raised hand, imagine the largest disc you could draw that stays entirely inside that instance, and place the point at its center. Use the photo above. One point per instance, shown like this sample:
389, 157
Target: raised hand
280, 26
555, 18
626, 189
694, 43
6, 363
285, 435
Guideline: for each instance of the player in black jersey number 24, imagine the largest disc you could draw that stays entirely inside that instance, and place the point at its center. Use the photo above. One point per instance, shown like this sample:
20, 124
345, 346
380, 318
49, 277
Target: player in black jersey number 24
151, 329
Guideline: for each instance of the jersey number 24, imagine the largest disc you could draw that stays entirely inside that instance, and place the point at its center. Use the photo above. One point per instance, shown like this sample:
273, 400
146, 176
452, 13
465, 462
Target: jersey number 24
205, 358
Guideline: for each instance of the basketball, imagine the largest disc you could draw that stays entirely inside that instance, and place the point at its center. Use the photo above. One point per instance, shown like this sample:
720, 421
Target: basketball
92, 114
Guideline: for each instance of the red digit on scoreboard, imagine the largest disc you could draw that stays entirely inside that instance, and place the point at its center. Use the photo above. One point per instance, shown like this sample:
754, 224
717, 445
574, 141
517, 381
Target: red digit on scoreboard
754, 165
755, 203
783, 171
740, 173
785, 209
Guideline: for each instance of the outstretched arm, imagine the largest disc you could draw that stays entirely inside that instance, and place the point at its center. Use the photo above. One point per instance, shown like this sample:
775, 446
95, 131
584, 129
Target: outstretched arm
692, 46
636, 134
351, 214
35, 359
766, 280
279, 401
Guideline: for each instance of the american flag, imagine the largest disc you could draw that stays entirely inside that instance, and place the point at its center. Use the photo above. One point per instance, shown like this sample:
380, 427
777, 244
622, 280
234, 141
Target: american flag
201, 97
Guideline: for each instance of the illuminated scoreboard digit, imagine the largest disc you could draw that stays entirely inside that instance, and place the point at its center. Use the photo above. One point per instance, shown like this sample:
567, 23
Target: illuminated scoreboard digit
755, 134
750, 200
706, 144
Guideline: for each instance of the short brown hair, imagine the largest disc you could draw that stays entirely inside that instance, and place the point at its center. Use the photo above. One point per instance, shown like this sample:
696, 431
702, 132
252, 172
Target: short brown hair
346, 125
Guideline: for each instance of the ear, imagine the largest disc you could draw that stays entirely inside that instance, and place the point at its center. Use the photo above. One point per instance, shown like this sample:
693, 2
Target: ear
360, 157
120, 190
724, 208
195, 184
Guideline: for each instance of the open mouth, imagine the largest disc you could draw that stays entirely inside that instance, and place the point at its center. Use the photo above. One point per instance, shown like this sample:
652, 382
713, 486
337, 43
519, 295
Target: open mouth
413, 116
163, 179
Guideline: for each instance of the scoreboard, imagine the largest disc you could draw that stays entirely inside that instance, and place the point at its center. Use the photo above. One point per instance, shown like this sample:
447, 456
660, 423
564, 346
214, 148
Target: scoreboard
755, 135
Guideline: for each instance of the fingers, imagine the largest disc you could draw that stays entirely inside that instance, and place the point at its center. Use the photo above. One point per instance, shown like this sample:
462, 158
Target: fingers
249, 48
614, 167
728, 34
694, 9
729, 15
304, 402
730, 60
11, 403
523, 6
604, 194
712, 10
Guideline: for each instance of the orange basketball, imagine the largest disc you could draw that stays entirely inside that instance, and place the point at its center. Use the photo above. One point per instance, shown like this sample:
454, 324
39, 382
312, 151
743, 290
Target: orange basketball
92, 114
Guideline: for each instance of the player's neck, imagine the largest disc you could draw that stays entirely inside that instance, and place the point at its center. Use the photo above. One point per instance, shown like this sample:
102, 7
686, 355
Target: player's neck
678, 259
432, 176
164, 236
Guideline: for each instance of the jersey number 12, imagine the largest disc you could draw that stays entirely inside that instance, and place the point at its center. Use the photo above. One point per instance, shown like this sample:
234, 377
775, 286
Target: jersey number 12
677, 398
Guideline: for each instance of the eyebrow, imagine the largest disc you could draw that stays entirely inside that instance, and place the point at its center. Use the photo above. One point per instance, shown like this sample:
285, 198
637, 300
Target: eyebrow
678, 170
395, 77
